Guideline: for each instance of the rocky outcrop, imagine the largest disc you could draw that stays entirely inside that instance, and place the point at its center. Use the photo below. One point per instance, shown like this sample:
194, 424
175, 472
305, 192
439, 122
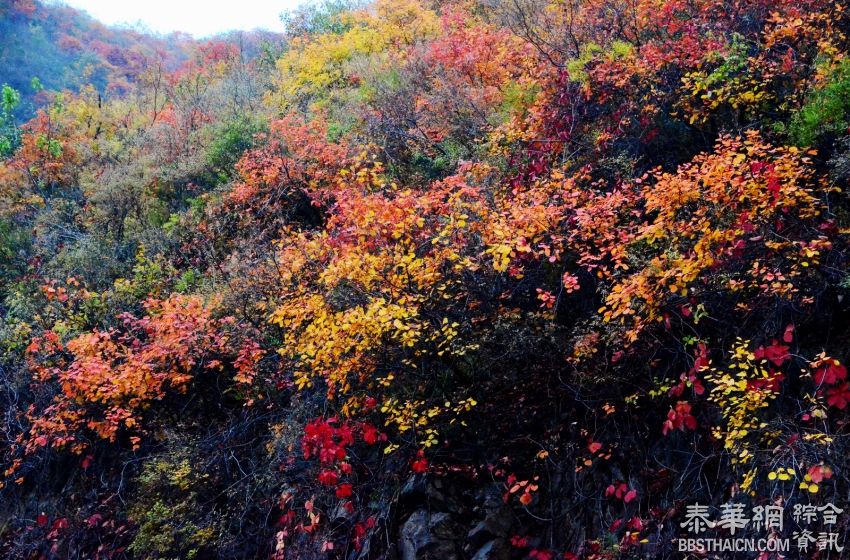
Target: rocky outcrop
440, 527
429, 536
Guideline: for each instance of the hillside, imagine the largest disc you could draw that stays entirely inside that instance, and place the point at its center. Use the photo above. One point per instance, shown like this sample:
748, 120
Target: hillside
428, 280
64, 48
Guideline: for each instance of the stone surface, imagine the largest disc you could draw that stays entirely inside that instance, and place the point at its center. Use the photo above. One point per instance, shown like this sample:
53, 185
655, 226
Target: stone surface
428, 536
496, 549
495, 517
496, 523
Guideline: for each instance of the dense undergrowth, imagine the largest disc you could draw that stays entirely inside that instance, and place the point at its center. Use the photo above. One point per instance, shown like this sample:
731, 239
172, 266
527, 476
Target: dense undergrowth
583, 262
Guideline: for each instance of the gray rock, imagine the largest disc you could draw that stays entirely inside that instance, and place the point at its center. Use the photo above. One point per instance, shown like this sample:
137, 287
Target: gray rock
496, 523
419, 489
496, 549
428, 536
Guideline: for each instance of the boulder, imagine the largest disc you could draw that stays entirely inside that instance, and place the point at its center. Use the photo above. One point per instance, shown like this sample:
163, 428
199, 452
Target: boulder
429, 536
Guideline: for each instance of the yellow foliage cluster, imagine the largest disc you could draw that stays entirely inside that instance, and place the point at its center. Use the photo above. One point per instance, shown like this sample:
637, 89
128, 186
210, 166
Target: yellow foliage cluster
374, 288
740, 400
317, 64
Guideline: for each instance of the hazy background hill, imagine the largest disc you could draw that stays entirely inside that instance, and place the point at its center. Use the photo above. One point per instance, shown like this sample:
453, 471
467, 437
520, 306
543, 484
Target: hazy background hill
64, 48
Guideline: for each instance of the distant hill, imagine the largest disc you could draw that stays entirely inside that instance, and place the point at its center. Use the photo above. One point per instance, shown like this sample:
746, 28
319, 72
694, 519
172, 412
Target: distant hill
63, 48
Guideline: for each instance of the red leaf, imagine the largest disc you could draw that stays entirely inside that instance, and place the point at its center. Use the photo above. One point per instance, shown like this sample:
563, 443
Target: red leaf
343, 491
839, 396
788, 336
420, 465
831, 373
776, 353
819, 473
370, 434
328, 478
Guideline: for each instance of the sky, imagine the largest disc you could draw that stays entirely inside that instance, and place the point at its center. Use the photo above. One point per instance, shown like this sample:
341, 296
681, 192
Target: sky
199, 18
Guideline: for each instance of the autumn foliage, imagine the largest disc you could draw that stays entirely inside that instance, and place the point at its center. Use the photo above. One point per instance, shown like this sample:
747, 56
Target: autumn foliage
566, 265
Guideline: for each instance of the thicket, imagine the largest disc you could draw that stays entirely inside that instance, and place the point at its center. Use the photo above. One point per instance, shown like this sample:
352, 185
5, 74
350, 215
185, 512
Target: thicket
581, 262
